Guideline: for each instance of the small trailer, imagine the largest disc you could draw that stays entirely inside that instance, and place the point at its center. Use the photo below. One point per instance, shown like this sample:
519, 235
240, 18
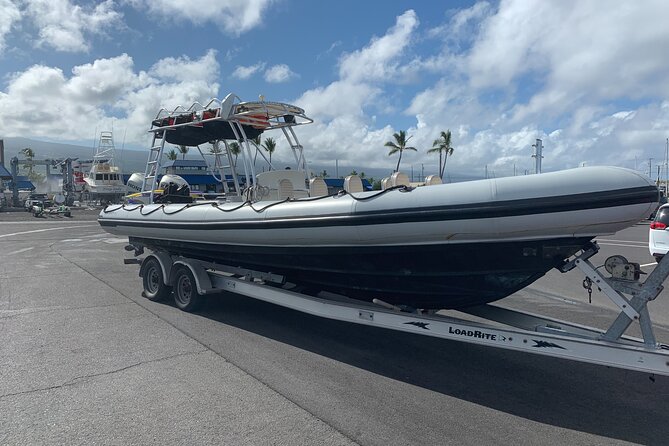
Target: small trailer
188, 280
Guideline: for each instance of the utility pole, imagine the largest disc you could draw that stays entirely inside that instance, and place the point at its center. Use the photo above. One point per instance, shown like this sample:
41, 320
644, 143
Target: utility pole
666, 168
538, 150
650, 167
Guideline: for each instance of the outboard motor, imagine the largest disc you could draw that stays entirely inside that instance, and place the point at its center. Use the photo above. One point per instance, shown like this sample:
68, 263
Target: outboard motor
175, 190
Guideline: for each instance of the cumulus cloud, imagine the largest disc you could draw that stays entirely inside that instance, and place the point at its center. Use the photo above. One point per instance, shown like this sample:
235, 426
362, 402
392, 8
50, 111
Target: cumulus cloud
183, 69
588, 79
45, 101
577, 50
344, 130
245, 72
579, 75
233, 16
279, 73
380, 59
9, 15
65, 26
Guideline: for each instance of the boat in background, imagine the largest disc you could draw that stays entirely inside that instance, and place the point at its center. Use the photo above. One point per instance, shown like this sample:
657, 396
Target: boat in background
104, 181
429, 247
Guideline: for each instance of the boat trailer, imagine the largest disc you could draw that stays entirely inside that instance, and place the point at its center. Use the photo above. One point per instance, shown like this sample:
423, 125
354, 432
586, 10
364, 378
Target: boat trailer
189, 280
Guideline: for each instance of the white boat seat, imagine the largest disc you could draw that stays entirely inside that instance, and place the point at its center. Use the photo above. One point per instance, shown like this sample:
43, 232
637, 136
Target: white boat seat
269, 184
317, 187
399, 179
432, 180
286, 189
353, 184
385, 183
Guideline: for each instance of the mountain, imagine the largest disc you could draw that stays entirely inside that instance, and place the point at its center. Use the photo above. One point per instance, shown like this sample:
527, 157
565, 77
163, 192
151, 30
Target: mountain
133, 160
129, 160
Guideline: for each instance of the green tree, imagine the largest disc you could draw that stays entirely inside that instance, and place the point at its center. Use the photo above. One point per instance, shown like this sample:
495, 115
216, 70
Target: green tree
323, 174
442, 145
399, 145
270, 146
235, 149
256, 142
172, 155
184, 151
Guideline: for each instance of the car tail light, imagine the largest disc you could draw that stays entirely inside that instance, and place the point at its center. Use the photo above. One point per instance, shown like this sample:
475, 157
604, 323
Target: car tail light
658, 225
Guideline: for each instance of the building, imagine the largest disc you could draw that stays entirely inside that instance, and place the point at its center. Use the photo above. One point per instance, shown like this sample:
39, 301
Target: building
196, 173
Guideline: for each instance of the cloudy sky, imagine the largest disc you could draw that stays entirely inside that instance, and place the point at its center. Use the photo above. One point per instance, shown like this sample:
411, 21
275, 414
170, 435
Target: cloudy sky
590, 78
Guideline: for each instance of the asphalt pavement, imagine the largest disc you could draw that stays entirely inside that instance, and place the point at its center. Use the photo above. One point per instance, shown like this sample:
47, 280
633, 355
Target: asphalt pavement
88, 360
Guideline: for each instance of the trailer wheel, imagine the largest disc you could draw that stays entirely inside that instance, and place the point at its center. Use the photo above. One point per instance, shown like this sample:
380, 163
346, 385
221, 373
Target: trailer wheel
154, 282
186, 296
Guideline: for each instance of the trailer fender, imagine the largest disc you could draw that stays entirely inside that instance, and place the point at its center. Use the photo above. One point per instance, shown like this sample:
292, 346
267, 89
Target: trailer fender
165, 262
202, 280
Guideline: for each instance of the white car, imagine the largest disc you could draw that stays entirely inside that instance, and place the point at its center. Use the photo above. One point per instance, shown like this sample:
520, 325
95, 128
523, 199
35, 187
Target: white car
658, 234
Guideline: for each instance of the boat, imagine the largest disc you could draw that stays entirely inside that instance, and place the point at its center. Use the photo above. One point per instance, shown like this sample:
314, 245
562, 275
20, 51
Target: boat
438, 246
104, 181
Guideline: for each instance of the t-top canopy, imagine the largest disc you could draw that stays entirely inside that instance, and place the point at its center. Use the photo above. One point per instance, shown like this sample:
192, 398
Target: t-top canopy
224, 120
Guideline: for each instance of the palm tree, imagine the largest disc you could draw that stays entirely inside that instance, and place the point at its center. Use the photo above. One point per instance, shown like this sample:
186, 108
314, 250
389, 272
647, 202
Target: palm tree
29, 154
172, 155
235, 149
399, 145
443, 146
184, 151
256, 142
270, 146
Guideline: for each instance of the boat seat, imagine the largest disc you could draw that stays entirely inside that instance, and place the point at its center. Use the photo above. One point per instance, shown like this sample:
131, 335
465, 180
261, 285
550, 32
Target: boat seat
269, 183
286, 189
353, 184
432, 180
385, 183
317, 187
399, 179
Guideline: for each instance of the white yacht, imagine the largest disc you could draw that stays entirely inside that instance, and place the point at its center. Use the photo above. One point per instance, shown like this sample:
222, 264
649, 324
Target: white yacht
104, 181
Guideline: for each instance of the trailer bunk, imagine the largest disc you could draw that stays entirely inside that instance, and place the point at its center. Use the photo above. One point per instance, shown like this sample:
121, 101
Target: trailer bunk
189, 279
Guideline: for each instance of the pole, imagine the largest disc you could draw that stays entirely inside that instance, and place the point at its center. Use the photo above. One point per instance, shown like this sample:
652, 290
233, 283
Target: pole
538, 154
666, 169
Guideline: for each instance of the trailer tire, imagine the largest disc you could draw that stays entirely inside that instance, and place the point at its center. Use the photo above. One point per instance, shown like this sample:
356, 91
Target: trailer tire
153, 281
186, 296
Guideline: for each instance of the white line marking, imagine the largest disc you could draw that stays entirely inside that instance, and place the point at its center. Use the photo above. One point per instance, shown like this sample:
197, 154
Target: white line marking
18, 251
648, 264
44, 230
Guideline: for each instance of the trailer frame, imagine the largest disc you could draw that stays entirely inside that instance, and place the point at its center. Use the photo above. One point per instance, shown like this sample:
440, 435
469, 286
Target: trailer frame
191, 279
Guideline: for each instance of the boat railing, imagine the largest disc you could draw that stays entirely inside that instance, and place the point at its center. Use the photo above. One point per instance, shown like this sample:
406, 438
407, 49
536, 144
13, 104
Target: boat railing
241, 117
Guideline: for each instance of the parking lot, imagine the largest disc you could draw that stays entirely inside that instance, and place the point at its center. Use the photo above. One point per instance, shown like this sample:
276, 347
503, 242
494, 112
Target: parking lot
87, 359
